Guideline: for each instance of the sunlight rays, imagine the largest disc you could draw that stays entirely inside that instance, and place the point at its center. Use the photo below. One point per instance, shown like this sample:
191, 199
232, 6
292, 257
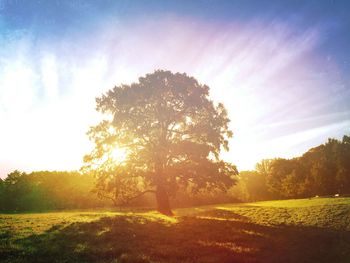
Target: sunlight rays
119, 155
264, 72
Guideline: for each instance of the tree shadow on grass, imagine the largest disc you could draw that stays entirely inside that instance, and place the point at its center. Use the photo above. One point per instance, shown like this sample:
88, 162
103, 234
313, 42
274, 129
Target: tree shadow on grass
217, 236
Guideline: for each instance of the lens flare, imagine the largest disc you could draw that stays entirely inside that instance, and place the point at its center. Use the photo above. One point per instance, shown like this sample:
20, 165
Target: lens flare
118, 155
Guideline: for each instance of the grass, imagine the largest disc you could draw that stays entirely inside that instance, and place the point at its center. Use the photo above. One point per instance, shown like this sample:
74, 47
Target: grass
305, 230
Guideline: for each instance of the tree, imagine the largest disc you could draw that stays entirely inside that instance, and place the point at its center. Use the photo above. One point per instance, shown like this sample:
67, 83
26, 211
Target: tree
47, 190
279, 169
251, 186
171, 132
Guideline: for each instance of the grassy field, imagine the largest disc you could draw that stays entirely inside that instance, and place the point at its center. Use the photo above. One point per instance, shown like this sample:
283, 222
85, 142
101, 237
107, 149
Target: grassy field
306, 230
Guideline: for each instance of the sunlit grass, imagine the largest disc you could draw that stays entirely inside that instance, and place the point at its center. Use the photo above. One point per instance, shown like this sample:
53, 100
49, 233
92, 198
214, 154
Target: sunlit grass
250, 232
22, 225
303, 202
332, 213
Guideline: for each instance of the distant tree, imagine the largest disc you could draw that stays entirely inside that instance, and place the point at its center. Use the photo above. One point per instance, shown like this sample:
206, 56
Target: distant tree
264, 167
322, 170
346, 139
45, 190
276, 172
293, 185
15, 188
251, 186
2, 195
172, 134
321, 165
342, 165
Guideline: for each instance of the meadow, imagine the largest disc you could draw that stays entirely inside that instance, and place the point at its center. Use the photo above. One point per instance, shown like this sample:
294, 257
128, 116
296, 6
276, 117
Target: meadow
299, 230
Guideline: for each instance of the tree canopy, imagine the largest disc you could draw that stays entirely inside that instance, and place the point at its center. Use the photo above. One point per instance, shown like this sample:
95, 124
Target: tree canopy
45, 190
171, 133
322, 170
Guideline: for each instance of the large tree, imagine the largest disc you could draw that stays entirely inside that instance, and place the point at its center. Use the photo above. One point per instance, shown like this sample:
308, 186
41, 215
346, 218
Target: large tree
172, 134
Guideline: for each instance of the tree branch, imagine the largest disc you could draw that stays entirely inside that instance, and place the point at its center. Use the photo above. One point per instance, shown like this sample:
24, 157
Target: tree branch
137, 196
100, 194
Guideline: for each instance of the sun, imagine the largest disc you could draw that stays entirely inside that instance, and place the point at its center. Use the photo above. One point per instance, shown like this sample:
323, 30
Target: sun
118, 155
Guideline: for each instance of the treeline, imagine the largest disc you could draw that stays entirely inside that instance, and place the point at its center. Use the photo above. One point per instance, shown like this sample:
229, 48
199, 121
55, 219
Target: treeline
321, 171
47, 191
44, 190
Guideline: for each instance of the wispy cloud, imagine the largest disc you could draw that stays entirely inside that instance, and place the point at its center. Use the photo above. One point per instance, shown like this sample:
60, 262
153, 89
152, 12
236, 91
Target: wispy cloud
265, 72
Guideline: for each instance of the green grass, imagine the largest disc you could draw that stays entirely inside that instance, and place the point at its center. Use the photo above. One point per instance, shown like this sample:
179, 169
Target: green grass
304, 230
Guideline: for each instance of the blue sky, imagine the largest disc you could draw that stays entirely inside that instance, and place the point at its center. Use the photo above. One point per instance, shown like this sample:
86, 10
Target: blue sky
280, 67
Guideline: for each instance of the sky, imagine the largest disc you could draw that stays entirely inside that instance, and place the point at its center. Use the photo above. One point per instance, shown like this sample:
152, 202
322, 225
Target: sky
281, 68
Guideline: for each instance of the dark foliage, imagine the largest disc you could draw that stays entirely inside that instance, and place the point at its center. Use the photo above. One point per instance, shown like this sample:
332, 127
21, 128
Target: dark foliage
172, 134
40, 191
321, 171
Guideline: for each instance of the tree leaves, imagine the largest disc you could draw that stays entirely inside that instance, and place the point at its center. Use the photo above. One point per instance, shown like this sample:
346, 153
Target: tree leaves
172, 130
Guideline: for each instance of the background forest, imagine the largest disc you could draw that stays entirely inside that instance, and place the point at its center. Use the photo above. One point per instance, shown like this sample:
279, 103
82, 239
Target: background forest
321, 171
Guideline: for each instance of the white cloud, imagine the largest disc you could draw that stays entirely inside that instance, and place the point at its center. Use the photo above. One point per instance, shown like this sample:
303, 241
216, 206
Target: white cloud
49, 76
260, 71
18, 83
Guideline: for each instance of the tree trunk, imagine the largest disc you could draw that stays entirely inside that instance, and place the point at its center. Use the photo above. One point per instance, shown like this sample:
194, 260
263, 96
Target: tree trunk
163, 201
